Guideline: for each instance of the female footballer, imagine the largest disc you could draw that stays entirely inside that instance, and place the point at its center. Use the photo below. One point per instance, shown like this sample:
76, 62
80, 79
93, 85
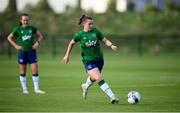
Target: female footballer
26, 39
92, 56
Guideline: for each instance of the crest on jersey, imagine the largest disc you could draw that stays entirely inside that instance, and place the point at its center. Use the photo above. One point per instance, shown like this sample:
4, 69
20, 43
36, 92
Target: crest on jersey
94, 35
84, 38
30, 31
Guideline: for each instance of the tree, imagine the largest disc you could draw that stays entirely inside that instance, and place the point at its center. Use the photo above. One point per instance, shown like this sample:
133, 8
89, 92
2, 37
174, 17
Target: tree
151, 8
78, 10
11, 16
170, 6
131, 6
112, 6
11, 8
79, 5
43, 17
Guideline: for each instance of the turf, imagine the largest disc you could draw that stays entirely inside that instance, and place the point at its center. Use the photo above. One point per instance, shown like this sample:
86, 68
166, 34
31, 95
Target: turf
157, 78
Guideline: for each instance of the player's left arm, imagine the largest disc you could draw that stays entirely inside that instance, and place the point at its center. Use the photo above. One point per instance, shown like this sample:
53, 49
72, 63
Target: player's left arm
109, 44
39, 37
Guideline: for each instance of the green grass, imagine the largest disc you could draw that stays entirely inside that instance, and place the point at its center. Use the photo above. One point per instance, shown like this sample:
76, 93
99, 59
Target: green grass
157, 78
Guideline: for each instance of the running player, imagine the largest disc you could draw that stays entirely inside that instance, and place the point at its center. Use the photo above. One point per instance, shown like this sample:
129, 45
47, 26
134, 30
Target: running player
92, 56
26, 39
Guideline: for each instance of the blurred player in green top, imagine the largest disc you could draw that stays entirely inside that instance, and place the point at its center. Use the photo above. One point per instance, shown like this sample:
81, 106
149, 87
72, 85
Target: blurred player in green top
92, 56
26, 39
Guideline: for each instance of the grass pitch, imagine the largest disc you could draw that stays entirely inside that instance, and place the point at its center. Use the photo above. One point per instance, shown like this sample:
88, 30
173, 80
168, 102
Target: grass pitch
157, 78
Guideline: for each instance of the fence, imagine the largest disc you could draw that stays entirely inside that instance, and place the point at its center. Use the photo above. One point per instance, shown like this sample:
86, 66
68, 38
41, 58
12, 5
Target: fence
138, 44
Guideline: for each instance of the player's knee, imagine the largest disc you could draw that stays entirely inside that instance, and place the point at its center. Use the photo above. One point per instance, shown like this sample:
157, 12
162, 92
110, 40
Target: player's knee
98, 79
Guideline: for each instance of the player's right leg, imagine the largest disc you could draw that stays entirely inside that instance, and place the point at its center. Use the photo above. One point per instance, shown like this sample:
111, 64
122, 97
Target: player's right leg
23, 78
85, 86
89, 82
22, 60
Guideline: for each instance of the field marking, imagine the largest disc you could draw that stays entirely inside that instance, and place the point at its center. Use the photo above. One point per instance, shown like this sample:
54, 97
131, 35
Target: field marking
113, 86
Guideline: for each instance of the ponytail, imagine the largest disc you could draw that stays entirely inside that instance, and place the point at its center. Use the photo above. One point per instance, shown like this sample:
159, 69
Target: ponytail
83, 18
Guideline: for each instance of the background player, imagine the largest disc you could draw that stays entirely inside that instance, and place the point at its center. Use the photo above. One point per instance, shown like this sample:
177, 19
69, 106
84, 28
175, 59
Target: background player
23, 39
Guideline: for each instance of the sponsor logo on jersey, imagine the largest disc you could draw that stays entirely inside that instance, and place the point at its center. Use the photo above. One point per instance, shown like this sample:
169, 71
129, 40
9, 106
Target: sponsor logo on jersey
26, 37
91, 43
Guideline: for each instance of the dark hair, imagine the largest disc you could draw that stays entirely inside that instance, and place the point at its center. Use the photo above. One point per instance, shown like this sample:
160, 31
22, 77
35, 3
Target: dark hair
83, 18
23, 14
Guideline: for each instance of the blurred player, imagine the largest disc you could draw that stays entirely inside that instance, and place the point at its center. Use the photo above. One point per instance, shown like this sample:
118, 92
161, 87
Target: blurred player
26, 39
92, 56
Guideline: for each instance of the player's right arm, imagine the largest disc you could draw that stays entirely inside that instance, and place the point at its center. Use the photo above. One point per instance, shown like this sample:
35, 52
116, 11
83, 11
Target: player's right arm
12, 42
68, 52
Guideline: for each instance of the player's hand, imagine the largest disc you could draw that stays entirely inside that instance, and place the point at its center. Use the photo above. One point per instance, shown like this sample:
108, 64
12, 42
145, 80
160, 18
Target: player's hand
114, 48
18, 47
36, 44
66, 59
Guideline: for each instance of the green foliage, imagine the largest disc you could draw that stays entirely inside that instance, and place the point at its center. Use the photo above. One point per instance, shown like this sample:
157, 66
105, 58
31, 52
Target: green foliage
131, 6
129, 23
151, 8
43, 17
170, 6
12, 8
112, 6
9, 18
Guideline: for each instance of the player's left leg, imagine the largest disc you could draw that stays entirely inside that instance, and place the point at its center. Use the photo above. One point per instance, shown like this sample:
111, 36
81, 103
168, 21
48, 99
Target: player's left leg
95, 74
34, 68
35, 78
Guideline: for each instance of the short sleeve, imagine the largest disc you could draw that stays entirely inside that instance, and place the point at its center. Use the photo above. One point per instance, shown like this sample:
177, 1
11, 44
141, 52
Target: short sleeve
15, 32
34, 30
76, 37
100, 35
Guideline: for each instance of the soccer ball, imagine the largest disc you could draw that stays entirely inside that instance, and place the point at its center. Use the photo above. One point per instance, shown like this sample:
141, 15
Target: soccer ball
133, 97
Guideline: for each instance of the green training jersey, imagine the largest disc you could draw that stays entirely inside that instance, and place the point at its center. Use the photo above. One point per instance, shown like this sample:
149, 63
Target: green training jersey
25, 36
90, 44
